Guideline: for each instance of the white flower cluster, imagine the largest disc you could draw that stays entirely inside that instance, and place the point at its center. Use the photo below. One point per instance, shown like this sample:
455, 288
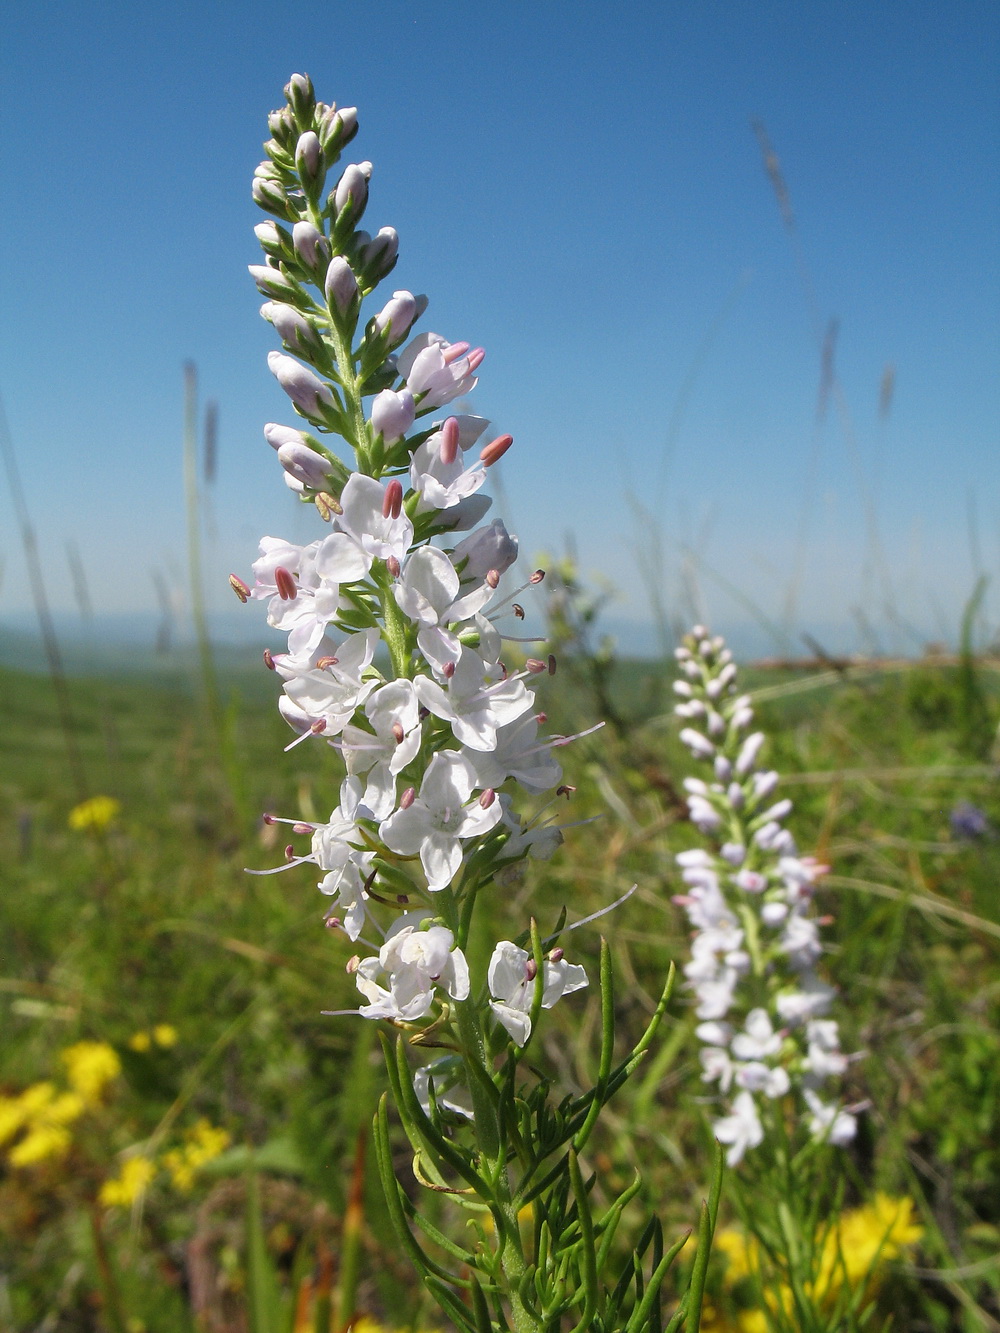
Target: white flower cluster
432, 738
756, 941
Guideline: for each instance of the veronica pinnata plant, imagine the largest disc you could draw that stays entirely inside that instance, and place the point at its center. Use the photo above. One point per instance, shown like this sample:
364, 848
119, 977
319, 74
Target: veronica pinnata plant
395, 629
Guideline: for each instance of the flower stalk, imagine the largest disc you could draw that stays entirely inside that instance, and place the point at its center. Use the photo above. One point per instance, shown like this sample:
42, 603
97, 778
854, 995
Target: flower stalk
394, 662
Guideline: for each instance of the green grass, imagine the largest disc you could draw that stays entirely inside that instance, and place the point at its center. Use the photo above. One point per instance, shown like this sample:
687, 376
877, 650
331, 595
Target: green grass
157, 923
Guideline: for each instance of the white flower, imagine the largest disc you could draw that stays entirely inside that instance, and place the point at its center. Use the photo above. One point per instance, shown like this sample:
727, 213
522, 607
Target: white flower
393, 712
489, 548
437, 371
434, 823
830, 1122
477, 701
741, 1130
756, 1076
329, 694
376, 535
450, 1092
428, 593
758, 1040
416, 960
519, 755
511, 978
442, 483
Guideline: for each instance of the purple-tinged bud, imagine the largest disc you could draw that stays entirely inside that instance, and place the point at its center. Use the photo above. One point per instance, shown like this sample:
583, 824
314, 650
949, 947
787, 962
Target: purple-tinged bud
266, 171
487, 549
407, 798
301, 97
241, 589
269, 195
310, 244
305, 465
337, 128
397, 315
352, 191
393, 413
281, 124
341, 286
308, 156
305, 389
378, 256
277, 435
269, 660
271, 281
269, 236
292, 326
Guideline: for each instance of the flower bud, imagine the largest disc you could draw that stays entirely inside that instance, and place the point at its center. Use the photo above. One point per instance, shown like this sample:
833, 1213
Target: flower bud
305, 389
308, 156
378, 256
277, 435
300, 97
310, 245
282, 125
305, 465
270, 238
352, 192
489, 548
337, 128
271, 281
341, 286
393, 413
269, 195
396, 316
292, 326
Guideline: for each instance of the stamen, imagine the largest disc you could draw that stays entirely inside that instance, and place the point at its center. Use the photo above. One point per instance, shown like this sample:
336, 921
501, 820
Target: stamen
493, 578
449, 440
323, 662
533, 666
537, 577
518, 610
495, 450
285, 584
594, 915
241, 589
327, 505
476, 358
531, 969
269, 659
392, 502
393, 566
398, 734
407, 798
487, 798
552, 664
454, 352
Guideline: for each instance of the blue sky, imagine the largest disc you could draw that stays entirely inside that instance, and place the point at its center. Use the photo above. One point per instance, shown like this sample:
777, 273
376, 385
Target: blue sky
578, 189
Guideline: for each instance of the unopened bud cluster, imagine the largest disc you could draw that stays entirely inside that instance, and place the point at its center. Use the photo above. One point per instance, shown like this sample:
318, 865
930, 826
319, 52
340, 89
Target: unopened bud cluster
763, 1008
435, 742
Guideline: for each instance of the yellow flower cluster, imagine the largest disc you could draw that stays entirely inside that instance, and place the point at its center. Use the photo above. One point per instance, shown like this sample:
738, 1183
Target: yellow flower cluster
39, 1117
123, 1190
95, 815
162, 1035
90, 1067
854, 1252
43, 1113
202, 1143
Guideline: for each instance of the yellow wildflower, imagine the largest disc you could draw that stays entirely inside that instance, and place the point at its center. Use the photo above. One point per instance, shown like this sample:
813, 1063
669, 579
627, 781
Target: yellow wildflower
864, 1240
41, 1141
367, 1325
135, 1175
165, 1035
140, 1041
94, 815
204, 1142
12, 1117
90, 1065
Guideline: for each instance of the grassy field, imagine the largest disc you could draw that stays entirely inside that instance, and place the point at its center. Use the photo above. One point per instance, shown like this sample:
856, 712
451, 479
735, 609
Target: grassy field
209, 983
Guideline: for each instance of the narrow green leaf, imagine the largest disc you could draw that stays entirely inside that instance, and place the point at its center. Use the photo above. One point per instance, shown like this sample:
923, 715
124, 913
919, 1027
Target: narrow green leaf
588, 1254
264, 1304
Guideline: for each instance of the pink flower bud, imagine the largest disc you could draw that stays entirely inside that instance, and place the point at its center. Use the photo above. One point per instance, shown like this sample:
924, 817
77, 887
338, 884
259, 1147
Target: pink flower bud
487, 549
305, 389
393, 414
341, 285
378, 256
305, 465
352, 191
308, 155
397, 315
310, 244
292, 326
271, 282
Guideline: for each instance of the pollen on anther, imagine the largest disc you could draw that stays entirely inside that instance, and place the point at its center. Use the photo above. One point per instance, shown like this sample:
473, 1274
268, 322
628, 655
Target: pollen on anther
518, 610
537, 577
241, 589
323, 662
398, 733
